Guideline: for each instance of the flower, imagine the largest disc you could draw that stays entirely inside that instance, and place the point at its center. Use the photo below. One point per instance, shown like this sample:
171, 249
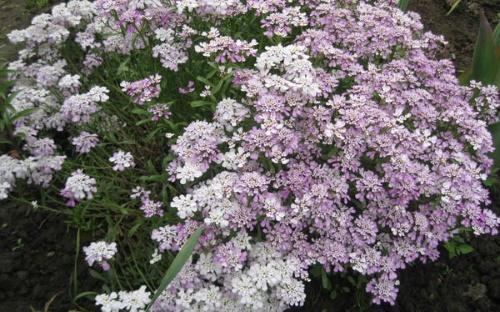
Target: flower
144, 90
122, 160
85, 141
78, 187
100, 252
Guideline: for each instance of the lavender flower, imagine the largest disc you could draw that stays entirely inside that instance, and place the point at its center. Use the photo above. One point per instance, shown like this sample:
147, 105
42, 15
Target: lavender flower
144, 90
85, 141
78, 187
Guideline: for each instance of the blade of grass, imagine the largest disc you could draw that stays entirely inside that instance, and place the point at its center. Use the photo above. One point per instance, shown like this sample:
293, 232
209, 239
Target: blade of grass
453, 7
403, 4
177, 264
75, 266
485, 63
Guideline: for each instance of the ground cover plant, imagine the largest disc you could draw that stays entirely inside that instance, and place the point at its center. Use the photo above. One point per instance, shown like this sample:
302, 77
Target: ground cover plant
288, 135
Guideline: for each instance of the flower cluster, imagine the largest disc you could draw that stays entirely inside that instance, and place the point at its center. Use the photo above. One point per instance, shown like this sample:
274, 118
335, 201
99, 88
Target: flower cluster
326, 132
99, 253
38, 170
78, 187
79, 108
132, 301
226, 48
122, 161
144, 90
148, 206
85, 141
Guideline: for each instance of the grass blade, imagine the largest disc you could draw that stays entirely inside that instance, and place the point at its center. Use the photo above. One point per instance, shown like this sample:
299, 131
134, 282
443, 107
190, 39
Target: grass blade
177, 264
485, 62
403, 4
495, 132
453, 7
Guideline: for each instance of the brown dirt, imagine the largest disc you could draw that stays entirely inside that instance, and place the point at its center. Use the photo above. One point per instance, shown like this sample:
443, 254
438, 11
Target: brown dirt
460, 28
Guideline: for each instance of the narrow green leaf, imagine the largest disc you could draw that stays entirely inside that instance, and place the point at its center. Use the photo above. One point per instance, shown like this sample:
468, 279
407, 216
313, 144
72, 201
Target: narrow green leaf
325, 281
495, 132
496, 36
134, 229
195, 104
97, 275
22, 114
85, 294
140, 111
403, 4
485, 62
153, 178
453, 7
176, 266
142, 122
465, 249
204, 80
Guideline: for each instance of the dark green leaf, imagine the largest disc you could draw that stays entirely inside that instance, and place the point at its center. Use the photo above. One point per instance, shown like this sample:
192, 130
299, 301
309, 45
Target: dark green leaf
495, 132
465, 249
200, 103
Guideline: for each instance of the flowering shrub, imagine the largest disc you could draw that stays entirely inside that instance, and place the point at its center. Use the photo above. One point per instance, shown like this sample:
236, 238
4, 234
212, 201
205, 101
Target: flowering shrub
294, 132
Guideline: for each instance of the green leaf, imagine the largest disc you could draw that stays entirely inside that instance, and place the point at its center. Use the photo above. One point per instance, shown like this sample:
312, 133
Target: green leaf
97, 275
142, 122
465, 249
495, 132
140, 111
403, 4
134, 229
195, 104
496, 36
325, 281
176, 266
22, 114
123, 67
453, 7
153, 178
485, 61
85, 294
204, 80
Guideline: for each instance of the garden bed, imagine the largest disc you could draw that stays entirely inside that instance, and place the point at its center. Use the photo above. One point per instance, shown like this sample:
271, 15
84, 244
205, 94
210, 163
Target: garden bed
37, 252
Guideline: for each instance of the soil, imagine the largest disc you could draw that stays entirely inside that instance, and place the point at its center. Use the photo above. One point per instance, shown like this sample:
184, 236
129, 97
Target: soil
37, 250
13, 15
37, 259
460, 28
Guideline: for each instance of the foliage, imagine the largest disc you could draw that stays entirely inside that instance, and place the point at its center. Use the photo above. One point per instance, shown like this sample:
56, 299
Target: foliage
37, 5
303, 137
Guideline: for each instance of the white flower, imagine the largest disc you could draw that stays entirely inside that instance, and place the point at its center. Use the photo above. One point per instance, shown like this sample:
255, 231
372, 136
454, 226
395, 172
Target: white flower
155, 257
99, 252
206, 267
122, 161
135, 301
4, 190
109, 303
292, 292
186, 206
79, 186
132, 301
235, 159
187, 173
230, 113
